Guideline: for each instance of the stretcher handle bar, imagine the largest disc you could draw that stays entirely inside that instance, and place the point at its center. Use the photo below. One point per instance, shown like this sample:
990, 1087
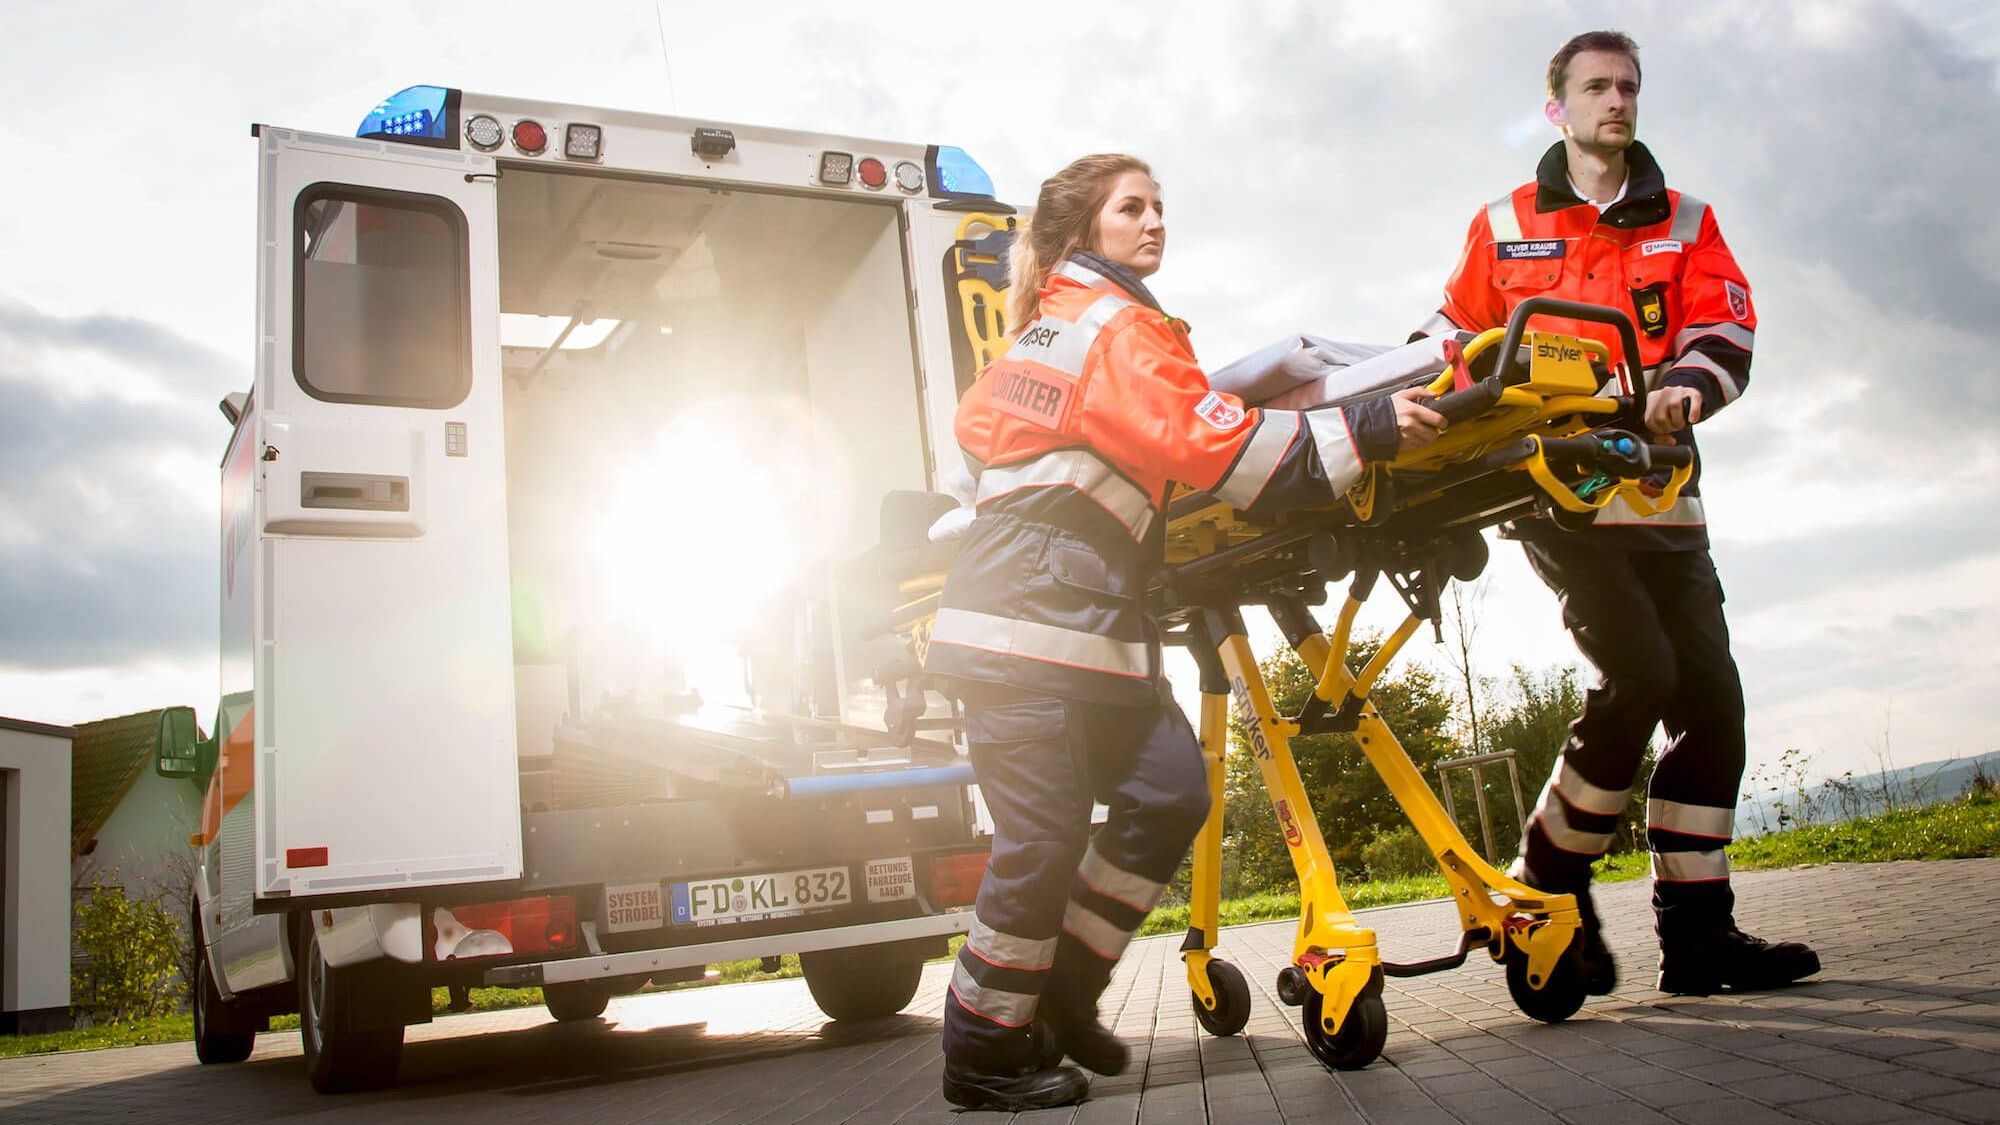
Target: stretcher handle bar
1477, 399
926, 778
1466, 942
1618, 452
1509, 371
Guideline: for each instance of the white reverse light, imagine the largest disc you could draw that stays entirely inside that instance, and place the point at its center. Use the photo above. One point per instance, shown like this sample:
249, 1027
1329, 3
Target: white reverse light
484, 131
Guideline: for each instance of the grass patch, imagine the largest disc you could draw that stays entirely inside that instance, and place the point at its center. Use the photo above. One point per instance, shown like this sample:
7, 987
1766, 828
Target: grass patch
1962, 829
160, 1029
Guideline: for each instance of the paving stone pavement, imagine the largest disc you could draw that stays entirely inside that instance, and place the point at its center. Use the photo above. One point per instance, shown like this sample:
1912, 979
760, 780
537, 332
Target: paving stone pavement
1903, 1025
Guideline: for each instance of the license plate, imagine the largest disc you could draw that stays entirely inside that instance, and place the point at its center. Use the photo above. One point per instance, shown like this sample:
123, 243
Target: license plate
740, 897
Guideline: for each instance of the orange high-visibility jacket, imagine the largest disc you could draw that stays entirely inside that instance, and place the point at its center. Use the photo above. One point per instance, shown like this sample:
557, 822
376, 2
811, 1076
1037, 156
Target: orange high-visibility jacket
1658, 255
1076, 436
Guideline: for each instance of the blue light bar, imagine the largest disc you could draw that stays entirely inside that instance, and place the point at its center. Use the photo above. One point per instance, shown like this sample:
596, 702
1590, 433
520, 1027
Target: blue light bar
424, 115
954, 174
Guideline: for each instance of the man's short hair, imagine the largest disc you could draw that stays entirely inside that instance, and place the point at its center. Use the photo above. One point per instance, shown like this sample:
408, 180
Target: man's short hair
1616, 42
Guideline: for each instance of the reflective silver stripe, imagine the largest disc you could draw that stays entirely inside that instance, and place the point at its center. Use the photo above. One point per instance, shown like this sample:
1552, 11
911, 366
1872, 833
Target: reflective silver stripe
1691, 867
1009, 1009
1500, 216
1734, 333
1337, 454
1687, 220
1033, 640
996, 948
1112, 881
1691, 820
1085, 274
1590, 798
1057, 343
1438, 325
1275, 432
1081, 470
1553, 816
1685, 512
1090, 928
1723, 379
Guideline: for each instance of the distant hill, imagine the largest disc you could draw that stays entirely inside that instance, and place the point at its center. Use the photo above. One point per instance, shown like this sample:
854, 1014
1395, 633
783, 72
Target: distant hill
1841, 799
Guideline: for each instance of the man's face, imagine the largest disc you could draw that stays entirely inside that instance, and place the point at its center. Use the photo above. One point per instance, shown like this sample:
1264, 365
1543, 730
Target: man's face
1599, 109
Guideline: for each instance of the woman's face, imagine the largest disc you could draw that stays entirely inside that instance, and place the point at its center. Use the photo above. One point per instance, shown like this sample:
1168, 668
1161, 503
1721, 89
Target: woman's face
1132, 227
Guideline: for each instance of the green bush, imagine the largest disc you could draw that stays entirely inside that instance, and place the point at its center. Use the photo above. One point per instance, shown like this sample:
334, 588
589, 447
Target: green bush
133, 950
1397, 854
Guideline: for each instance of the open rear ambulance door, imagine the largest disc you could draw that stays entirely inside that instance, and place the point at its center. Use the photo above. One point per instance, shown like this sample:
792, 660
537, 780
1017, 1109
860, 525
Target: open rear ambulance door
384, 670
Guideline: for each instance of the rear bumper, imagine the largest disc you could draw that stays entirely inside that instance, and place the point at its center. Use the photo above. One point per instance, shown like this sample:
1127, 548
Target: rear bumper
644, 962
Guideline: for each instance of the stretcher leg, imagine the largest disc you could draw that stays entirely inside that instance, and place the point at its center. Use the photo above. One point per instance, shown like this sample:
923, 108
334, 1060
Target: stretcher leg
1221, 994
1337, 972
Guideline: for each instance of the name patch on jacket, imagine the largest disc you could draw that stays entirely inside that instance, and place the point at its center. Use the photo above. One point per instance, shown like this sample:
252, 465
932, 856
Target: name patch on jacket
1024, 396
1535, 248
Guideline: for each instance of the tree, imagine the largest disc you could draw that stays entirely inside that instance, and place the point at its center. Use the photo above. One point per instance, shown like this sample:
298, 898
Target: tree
1466, 603
1348, 797
1535, 724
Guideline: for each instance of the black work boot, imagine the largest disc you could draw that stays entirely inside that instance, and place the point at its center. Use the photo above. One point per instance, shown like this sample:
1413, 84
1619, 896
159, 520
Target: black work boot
1085, 1040
1705, 964
1035, 1087
1600, 969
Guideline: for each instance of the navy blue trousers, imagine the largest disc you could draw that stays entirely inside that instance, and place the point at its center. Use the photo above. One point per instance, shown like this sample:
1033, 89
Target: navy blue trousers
1060, 903
1652, 624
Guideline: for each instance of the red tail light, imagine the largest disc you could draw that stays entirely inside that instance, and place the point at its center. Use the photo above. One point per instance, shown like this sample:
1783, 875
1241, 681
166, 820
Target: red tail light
522, 925
955, 878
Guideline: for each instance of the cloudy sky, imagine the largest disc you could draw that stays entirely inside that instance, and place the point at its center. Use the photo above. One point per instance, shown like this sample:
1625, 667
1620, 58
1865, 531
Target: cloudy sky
1320, 160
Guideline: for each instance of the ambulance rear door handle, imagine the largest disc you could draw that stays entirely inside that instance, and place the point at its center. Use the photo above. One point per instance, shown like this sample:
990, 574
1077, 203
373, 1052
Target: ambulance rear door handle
365, 492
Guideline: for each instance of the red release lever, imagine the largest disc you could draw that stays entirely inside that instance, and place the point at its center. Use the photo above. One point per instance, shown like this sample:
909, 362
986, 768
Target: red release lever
1461, 375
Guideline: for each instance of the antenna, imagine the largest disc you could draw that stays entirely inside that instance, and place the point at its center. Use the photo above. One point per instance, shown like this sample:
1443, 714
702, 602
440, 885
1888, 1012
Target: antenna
660, 21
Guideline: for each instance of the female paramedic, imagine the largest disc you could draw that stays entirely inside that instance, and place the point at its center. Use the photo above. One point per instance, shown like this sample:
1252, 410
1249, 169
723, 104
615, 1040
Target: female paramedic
1073, 437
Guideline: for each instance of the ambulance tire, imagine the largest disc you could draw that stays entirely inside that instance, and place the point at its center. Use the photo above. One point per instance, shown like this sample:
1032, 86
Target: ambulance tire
211, 1045
571, 1001
864, 982
339, 1059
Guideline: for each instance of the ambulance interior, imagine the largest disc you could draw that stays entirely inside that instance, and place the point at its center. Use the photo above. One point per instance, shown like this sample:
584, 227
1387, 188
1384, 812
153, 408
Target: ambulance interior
707, 394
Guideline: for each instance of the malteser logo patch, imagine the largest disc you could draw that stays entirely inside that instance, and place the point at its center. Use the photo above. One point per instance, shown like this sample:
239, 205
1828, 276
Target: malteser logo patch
1217, 412
1660, 246
1739, 300
1538, 248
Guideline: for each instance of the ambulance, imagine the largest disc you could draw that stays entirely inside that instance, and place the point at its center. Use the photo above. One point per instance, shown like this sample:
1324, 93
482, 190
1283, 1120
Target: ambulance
552, 643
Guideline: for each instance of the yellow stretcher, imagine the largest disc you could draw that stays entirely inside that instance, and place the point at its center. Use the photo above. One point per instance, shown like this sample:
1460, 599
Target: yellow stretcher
1529, 433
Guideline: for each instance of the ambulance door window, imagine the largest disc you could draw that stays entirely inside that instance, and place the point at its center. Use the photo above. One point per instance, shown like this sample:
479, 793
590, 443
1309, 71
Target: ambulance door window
380, 298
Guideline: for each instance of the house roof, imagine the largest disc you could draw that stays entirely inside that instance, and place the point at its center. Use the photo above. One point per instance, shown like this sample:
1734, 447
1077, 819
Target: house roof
32, 727
106, 757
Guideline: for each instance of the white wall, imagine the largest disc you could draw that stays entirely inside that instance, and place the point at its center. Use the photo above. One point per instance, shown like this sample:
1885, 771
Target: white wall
143, 845
34, 955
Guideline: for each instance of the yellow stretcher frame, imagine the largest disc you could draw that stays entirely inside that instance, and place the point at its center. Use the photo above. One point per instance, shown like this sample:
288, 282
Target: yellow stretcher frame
1510, 436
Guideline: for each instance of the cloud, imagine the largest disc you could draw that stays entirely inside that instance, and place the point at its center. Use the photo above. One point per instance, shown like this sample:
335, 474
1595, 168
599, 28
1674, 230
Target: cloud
107, 534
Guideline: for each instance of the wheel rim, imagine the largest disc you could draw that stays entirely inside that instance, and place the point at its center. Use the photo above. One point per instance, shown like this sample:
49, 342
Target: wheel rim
315, 996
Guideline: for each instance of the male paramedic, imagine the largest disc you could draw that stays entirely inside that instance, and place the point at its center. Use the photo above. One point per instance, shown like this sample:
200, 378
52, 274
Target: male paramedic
1599, 225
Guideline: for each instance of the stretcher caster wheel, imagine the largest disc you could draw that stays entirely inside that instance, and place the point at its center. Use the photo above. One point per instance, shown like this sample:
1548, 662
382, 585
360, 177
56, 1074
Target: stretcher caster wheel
1361, 1035
1556, 1000
1232, 1001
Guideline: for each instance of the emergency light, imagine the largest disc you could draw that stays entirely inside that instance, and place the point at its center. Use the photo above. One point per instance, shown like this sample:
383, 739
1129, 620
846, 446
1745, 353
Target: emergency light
955, 175
418, 115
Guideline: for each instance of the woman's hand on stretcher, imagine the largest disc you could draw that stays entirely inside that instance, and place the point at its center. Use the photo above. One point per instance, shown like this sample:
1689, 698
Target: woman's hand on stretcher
1416, 424
1672, 409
